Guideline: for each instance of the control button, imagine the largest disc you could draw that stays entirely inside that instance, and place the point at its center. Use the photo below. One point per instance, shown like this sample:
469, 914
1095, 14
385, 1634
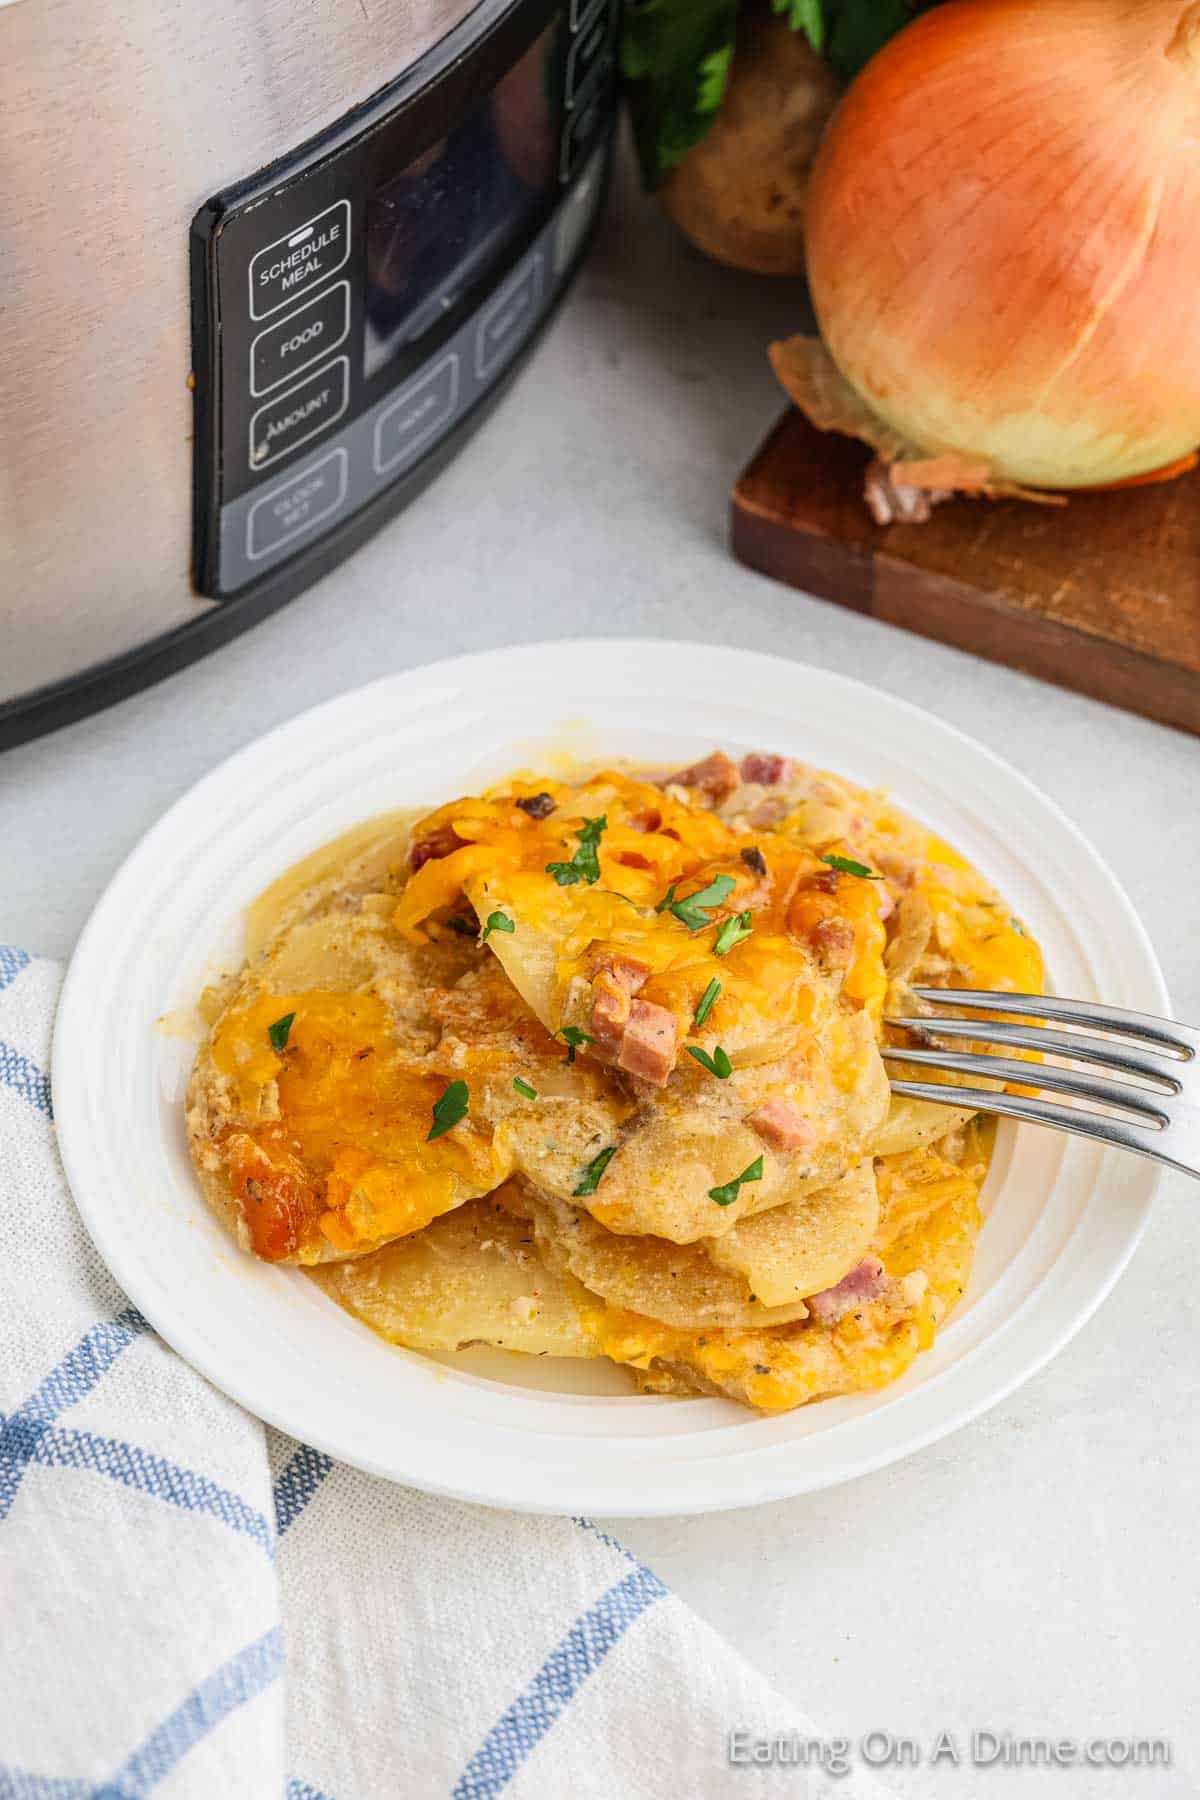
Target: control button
577, 212
303, 338
416, 414
293, 264
581, 127
291, 419
590, 48
509, 318
297, 505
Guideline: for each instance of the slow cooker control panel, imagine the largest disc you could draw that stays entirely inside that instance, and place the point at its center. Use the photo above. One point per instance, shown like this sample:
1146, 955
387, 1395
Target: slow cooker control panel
355, 306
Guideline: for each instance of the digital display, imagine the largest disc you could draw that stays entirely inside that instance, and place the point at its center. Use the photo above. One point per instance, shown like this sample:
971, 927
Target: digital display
444, 221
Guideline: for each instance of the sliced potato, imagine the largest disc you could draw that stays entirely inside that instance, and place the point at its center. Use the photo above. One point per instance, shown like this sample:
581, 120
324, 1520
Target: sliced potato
809, 1244
695, 1137
472, 1277
678, 1283
911, 1123
320, 1148
910, 939
358, 860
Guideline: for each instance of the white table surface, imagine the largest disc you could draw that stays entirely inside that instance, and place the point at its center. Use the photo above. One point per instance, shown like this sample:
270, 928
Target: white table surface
1037, 1573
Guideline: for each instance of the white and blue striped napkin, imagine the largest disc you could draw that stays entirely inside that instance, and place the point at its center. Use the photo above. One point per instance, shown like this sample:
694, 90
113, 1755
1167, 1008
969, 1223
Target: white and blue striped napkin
194, 1606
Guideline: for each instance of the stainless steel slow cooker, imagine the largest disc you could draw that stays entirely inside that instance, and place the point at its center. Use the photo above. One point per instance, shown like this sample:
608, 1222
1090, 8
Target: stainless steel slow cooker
263, 264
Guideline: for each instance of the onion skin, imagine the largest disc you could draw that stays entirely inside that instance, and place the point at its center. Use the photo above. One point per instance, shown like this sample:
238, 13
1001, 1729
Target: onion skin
1003, 236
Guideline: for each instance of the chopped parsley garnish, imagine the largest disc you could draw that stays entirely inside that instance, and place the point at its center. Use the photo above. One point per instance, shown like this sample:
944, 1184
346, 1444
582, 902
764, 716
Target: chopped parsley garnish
538, 806
847, 866
524, 1088
717, 1064
497, 921
585, 864
733, 931
574, 1039
708, 1000
1017, 927
695, 910
449, 1110
726, 1195
278, 1032
589, 1181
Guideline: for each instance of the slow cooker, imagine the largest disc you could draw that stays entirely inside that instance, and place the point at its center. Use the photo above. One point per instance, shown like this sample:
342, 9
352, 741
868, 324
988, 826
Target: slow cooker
263, 265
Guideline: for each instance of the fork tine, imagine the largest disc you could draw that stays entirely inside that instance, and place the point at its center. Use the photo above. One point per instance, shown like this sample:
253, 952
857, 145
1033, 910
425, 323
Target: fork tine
1182, 1039
1103, 1052
1074, 1119
1038, 1075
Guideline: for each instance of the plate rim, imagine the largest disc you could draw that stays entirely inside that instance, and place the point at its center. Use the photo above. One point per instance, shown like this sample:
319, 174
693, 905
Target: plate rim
772, 1484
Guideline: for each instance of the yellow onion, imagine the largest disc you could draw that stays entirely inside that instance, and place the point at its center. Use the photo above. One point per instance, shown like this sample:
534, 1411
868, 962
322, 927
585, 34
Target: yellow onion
1003, 237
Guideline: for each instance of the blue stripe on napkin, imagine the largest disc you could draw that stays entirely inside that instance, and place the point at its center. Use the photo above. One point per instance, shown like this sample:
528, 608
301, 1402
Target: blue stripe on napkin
579, 1654
30, 1435
246, 1675
25, 1078
242, 1678
297, 1484
12, 961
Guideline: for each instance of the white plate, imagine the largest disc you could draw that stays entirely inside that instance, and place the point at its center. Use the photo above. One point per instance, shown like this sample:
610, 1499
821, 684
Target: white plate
1063, 1216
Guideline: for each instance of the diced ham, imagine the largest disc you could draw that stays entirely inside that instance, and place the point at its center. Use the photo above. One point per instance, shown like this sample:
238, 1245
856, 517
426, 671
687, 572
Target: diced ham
610, 1014
649, 1043
767, 770
716, 776
442, 841
769, 811
616, 978
833, 942
782, 1126
626, 971
863, 1284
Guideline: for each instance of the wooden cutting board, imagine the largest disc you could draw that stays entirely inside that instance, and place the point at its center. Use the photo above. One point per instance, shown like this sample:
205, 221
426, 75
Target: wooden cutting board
1102, 595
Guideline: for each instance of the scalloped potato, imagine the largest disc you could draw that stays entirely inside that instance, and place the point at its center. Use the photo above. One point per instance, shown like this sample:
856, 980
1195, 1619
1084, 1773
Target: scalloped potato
592, 1068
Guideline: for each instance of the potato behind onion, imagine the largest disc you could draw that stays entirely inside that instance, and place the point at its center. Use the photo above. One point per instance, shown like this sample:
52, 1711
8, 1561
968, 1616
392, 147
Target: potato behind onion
741, 194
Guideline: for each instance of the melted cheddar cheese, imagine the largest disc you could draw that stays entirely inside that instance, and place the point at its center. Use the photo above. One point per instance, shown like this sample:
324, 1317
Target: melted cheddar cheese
661, 1007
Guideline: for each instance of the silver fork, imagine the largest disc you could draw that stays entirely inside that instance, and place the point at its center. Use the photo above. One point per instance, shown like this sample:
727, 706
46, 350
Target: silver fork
1160, 1119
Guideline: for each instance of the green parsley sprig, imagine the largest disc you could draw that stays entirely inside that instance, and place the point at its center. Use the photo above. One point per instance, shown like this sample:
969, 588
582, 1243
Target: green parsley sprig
846, 865
449, 1110
497, 921
717, 1064
707, 1001
574, 1039
733, 932
278, 1032
585, 864
728, 1193
695, 910
590, 1179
